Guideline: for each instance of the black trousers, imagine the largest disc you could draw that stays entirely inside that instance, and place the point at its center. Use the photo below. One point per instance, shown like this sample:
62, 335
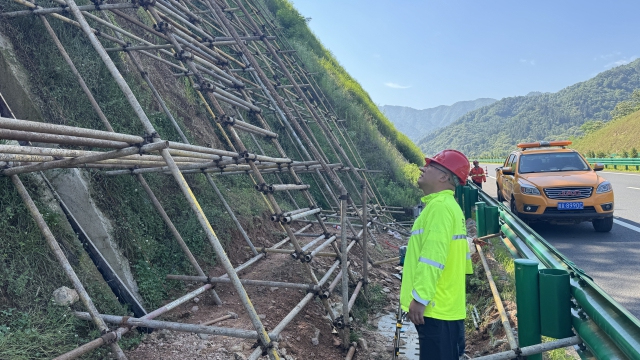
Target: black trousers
478, 184
441, 339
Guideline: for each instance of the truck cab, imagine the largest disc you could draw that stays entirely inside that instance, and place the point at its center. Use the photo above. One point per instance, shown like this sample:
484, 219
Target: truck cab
546, 181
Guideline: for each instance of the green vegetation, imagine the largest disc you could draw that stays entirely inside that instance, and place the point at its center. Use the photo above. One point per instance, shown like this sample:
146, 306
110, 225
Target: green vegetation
495, 129
617, 137
347, 97
30, 326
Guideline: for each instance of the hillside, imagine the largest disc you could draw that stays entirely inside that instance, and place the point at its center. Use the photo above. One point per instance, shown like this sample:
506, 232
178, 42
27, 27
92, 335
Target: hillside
616, 137
495, 129
416, 124
151, 224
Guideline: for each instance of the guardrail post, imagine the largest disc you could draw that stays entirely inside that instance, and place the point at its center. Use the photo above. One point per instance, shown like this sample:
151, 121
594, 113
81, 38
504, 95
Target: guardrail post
528, 304
459, 194
466, 202
481, 228
555, 299
491, 219
473, 197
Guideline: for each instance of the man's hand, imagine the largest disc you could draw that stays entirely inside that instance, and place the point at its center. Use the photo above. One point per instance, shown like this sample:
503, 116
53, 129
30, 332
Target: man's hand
416, 313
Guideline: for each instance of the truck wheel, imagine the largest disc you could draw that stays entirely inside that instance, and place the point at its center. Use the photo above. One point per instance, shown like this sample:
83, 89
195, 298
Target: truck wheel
602, 225
500, 197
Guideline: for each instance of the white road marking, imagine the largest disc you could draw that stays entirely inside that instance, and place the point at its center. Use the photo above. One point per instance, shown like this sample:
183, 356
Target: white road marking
617, 173
491, 176
628, 226
631, 187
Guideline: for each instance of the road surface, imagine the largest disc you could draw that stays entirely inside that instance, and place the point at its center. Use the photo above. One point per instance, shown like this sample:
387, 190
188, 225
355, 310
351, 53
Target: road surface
611, 259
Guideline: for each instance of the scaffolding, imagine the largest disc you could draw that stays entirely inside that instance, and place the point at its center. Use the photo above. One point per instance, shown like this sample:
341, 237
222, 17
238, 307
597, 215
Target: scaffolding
241, 67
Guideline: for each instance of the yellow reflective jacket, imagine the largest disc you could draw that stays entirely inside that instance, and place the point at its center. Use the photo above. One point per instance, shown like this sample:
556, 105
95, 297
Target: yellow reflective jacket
437, 259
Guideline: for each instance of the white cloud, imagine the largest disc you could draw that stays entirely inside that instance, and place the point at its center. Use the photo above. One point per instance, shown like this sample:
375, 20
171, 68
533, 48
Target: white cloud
531, 62
622, 61
396, 86
607, 56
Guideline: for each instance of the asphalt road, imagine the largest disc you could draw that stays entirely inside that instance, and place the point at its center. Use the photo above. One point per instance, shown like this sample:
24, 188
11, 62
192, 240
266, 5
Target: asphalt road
611, 259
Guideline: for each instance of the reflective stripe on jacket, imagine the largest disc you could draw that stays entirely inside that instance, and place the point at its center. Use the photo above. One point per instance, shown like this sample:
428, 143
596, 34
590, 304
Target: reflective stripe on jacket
477, 174
437, 259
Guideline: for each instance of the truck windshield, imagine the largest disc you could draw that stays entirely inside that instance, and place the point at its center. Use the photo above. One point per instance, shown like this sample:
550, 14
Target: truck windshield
551, 162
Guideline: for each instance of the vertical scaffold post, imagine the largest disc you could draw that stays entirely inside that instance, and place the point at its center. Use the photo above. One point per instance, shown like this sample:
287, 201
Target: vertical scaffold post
345, 267
528, 304
365, 213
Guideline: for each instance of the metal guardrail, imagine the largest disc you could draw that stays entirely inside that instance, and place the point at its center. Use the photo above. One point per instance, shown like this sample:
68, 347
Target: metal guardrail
492, 161
615, 162
608, 330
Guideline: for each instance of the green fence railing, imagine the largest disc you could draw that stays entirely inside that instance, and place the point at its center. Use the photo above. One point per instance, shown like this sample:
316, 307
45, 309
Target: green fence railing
622, 163
492, 161
608, 330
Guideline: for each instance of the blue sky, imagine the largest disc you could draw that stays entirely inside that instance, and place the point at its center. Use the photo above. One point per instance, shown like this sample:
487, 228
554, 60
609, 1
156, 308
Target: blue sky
425, 53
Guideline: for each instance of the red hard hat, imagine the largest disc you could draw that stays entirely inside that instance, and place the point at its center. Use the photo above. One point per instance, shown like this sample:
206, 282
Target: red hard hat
454, 161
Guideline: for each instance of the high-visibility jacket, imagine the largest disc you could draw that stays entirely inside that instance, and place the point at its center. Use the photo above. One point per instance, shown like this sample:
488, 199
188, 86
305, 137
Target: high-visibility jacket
477, 175
437, 259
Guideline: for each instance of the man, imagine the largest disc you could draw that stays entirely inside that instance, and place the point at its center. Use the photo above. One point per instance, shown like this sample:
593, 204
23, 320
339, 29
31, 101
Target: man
437, 259
477, 174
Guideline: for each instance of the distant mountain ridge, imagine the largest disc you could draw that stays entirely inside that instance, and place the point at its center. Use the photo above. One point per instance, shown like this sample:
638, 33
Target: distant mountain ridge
418, 123
495, 129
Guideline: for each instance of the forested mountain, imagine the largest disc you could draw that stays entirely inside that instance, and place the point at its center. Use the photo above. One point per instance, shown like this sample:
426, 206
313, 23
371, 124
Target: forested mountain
497, 128
418, 123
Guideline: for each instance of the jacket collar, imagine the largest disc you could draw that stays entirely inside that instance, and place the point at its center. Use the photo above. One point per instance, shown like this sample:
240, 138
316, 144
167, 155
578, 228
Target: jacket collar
430, 197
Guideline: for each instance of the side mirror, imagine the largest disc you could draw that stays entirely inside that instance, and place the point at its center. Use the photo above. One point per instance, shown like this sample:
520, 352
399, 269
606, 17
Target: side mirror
598, 167
507, 171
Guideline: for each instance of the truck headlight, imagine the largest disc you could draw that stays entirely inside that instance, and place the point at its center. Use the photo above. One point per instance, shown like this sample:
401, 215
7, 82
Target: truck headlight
604, 187
529, 190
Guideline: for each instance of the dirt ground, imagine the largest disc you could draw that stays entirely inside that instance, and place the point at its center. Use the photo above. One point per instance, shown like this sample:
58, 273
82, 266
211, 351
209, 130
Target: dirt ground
298, 340
310, 335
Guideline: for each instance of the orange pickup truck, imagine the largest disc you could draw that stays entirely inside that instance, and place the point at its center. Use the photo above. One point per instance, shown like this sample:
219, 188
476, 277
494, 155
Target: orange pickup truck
545, 181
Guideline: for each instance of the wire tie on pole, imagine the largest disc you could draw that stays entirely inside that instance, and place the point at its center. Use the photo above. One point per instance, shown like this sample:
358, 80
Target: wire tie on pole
123, 322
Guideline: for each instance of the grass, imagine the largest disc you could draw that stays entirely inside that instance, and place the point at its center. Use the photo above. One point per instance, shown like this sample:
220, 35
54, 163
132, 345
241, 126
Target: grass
506, 288
30, 326
615, 137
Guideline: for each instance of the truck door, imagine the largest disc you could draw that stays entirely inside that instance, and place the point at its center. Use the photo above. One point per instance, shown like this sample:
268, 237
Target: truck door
507, 180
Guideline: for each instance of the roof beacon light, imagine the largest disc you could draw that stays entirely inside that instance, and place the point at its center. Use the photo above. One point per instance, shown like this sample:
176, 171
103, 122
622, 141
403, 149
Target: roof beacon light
544, 144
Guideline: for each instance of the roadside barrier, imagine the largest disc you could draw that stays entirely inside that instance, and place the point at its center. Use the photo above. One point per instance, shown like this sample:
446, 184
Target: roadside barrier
615, 162
607, 330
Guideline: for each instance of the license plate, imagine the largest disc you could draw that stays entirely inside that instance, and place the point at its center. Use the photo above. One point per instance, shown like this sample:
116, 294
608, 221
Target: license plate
570, 206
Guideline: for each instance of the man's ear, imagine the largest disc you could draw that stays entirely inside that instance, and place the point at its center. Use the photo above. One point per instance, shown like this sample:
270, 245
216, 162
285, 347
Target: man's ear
443, 177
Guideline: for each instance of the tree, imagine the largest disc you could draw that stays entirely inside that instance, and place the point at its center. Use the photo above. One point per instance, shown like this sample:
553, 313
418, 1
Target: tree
591, 154
591, 126
601, 155
634, 153
625, 154
625, 108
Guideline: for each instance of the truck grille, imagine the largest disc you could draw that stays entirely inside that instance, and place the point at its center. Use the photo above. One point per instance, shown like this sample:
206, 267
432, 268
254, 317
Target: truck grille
568, 193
